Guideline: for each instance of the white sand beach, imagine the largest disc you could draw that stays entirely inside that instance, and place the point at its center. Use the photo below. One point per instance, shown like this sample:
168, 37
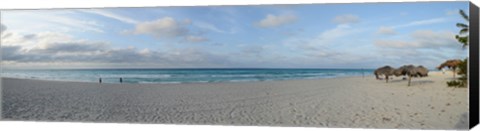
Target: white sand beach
351, 102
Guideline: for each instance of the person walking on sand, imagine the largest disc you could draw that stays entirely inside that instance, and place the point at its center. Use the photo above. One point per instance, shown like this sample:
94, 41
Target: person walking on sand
121, 80
100, 80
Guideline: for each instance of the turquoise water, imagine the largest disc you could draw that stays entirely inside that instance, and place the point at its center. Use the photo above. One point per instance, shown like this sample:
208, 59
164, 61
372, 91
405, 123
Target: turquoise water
182, 75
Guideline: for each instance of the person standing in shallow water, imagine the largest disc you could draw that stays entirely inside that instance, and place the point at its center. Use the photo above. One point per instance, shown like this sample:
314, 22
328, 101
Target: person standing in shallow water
121, 80
100, 80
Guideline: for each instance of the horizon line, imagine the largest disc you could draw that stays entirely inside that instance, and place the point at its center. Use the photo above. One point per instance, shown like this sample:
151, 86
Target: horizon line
178, 68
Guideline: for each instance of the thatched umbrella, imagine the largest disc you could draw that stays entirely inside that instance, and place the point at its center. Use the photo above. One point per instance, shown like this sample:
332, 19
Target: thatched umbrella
385, 70
402, 71
422, 71
450, 64
408, 70
411, 71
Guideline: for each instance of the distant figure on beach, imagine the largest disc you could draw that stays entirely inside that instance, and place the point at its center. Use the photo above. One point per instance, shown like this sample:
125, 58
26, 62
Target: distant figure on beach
443, 70
121, 80
100, 80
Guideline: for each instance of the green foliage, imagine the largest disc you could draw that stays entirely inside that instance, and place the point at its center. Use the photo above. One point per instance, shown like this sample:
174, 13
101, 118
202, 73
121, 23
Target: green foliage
464, 15
463, 40
463, 72
462, 37
456, 83
462, 68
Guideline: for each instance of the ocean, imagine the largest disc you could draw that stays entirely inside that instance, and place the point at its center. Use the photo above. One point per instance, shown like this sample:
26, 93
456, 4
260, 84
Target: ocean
145, 76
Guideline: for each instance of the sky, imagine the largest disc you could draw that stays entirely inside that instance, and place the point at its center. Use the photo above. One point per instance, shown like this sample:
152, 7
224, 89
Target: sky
364, 35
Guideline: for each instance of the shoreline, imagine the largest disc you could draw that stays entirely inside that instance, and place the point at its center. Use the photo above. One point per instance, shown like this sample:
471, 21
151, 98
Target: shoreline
155, 83
175, 76
353, 102
316, 78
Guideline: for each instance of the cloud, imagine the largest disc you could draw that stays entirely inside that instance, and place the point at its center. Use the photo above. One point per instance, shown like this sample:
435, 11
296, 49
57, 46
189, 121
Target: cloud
196, 39
2, 28
322, 40
60, 50
429, 57
451, 12
346, 19
53, 55
169, 28
34, 40
57, 21
292, 32
390, 30
48, 43
422, 39
435, 39
212, 27
193, 57
3, 33
395, 43
50, 49
421, 22
386, 31
70, 47
166, 27
253, 50
111, 15
74, 24
276, 20
337, 32
320, 45
10, 52
208, 26
423, 47
47, 46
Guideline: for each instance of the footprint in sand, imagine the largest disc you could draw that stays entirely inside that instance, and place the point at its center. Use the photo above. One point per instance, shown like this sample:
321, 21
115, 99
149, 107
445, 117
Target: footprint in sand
386, 119
399, 125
